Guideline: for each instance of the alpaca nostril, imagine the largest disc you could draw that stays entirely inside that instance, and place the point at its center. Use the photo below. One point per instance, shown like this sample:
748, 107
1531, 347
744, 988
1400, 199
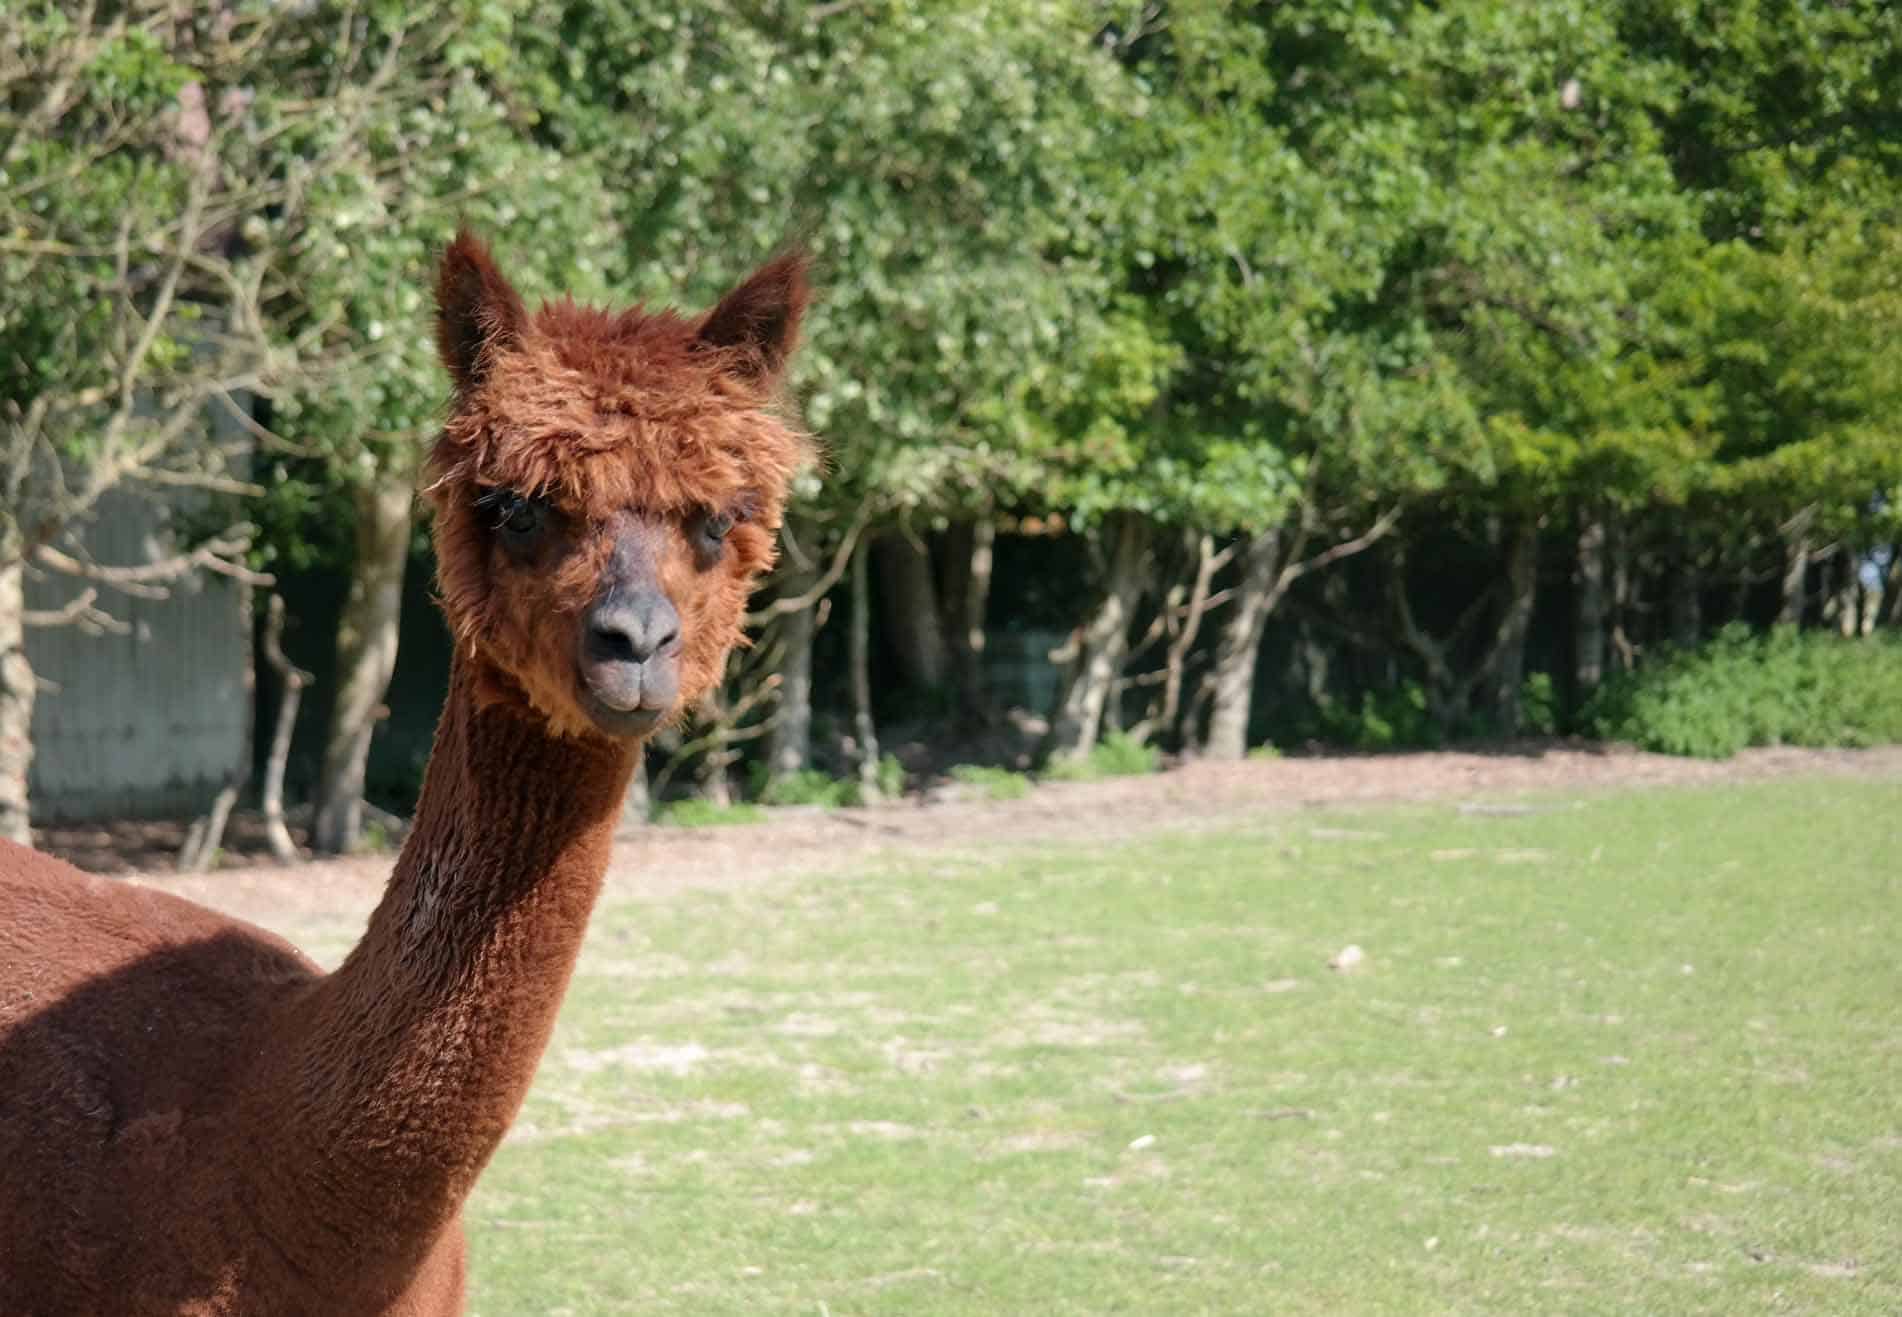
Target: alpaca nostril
633, 628
608, 643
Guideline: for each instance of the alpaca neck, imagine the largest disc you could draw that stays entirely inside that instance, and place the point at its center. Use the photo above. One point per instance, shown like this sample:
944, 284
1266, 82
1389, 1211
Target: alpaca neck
408, 1064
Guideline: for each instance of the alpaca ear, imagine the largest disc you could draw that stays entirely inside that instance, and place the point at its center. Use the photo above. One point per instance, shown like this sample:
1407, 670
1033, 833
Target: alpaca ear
758, 322
477, 313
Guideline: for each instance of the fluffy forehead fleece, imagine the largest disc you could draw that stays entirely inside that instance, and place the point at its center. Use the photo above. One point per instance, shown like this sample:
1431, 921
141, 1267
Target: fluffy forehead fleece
607, 410
602, 412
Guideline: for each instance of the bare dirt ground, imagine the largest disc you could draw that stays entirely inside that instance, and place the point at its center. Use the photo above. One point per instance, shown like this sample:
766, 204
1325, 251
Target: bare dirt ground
657, 861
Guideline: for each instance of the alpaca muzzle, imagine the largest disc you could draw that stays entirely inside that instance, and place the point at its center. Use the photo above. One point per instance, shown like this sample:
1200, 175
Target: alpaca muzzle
630, 659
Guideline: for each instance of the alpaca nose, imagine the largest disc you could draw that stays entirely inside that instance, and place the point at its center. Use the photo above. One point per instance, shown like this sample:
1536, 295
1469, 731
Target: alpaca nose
632, 628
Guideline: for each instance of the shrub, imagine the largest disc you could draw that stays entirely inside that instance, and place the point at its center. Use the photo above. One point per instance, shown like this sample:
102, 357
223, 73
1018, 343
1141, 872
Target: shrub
1783, 688
891, 778
806, 787
996, 783
1539, 706
1385, 720
706, 814
1267, 750
1117, 755
809, 786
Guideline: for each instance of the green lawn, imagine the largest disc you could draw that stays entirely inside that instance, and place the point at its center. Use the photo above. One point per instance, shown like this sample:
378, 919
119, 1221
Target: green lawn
1635, 1053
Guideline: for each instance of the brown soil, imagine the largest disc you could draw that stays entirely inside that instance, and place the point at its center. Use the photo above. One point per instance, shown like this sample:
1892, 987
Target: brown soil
657, 861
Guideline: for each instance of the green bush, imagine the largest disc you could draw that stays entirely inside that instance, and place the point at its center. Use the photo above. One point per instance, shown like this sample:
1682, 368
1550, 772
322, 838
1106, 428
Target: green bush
891, 778
1742, 689
706, 814
1117, 755
1385, 720
996, 783
809, 786
806, 787
1539, 706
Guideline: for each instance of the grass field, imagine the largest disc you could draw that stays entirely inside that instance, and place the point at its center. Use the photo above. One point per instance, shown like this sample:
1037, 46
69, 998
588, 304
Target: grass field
1626, 1053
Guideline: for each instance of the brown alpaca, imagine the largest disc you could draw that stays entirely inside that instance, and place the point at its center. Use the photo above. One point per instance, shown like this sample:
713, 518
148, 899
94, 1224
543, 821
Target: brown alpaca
193, 1119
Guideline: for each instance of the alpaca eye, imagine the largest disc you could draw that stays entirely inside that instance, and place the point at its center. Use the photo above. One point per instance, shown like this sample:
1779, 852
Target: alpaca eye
518, 517
715, 526
524, 516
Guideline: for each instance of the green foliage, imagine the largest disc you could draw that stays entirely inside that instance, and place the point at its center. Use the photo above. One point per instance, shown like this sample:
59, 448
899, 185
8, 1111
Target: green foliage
936, 162
891, 777
441, 145
1116, 755
1266, 752
996, 783
1784, 688
696, 813
814, 787
1391, 719
375, 839
807, 787
1539, 706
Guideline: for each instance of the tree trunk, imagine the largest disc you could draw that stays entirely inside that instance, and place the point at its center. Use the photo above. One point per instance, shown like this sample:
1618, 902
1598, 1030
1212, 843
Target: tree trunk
1102, 642
1796, 567
1500, 666
16, 701
1515, 623
206, 836
637, 806
1843, 608
1187, 623
908, 594
711, 780
965, 593
1892, 588
1448, 697
1589, 603
859, 645
1233, 677
1685, 606
366, 656
293, 679
1625, 604
789, 743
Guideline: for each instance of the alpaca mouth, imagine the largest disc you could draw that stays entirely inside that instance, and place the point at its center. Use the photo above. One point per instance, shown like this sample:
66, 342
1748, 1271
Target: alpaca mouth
613, 718
628, 698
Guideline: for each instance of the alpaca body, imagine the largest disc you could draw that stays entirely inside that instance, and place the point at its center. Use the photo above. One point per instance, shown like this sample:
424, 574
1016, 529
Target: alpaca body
128, 1107
193, 1119
199, 1117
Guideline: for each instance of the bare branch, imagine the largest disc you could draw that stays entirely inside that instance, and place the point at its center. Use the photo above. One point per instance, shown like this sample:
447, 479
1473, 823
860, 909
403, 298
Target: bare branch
841, 560
80, 612
74, 609
147, 580
723, 731
152, 475
1348, 548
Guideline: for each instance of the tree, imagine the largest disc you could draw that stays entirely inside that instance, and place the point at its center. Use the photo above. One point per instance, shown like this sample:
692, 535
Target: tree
425, 133
133, 297
933, 158
1263, 388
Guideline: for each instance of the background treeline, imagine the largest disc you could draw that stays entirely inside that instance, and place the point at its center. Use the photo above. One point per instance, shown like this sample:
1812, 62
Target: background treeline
1318, 370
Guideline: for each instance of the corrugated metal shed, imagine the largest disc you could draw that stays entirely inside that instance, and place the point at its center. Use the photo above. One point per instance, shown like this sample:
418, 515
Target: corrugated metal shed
147, 723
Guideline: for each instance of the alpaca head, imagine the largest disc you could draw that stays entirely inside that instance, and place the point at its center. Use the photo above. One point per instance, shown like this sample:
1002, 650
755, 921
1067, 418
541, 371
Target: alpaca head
606, 489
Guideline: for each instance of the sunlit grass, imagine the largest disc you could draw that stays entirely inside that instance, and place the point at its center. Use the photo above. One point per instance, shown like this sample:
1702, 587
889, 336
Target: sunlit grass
1635, 1053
